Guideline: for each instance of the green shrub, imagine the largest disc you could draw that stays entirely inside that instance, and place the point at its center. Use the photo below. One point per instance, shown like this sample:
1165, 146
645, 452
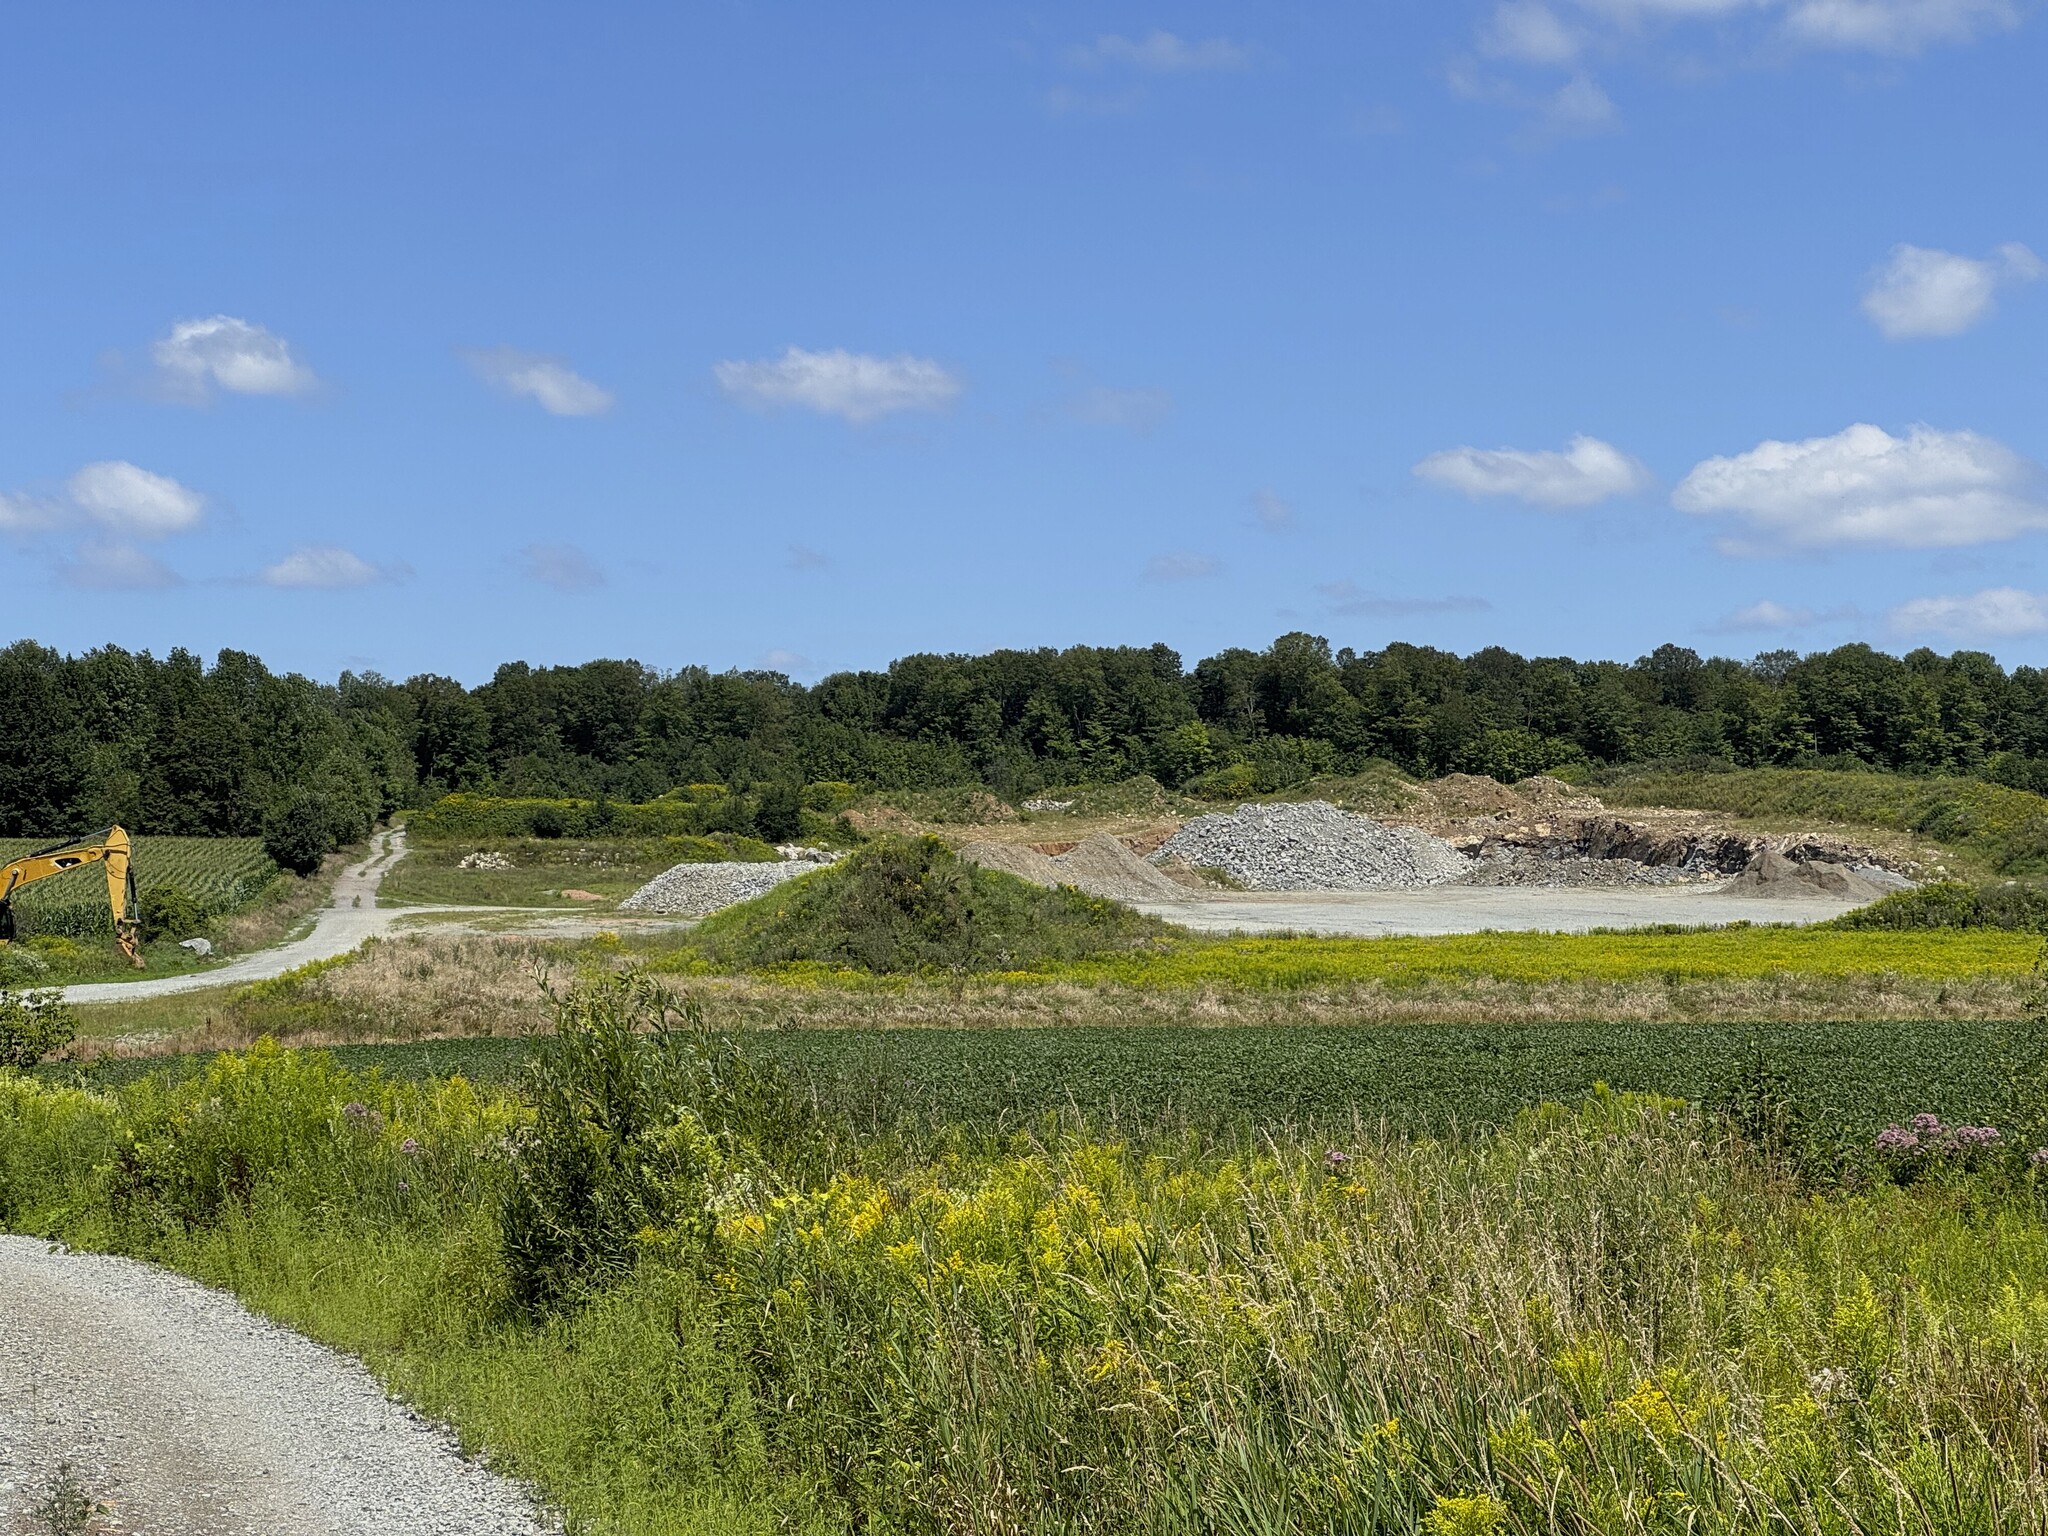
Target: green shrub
1956, 904
168, 912
910, 905
548, 821
32, 1025
779, 812
297, 834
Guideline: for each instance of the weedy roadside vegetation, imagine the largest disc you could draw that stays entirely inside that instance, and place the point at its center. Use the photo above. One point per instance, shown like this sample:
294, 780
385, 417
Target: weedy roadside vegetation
684, 1291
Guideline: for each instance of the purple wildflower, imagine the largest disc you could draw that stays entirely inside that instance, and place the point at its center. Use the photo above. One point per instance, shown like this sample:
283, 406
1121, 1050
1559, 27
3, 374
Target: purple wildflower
357, 1112
1927, 1125
1973, 1135
2038, 1156
1896, 1139
410, 1146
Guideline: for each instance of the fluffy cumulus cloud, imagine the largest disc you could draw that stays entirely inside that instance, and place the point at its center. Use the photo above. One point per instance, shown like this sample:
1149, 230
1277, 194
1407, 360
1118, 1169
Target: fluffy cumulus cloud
1921, 292
1997, 613
1163, 53
1896, 26
549, 382
856, 386
1766, 615
1863, 486
1181, 565
221, 352
326, 568
1584, 474
563, 567
114, 565
1528, 32
130, 500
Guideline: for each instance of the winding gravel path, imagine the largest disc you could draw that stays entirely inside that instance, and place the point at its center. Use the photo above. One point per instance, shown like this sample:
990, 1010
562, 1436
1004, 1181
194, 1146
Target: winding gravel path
188, 1416
351, 916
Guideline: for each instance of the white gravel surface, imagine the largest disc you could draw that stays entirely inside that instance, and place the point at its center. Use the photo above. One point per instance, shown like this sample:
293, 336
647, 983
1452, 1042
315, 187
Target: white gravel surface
188, 1416
1314, 847
1476, 909
694, 890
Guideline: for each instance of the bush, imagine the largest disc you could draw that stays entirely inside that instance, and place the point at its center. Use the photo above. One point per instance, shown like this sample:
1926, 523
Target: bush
32, 1025
911, 905
169, 913
1956, 904
635, 1122
779, 813
298, 834
548, 821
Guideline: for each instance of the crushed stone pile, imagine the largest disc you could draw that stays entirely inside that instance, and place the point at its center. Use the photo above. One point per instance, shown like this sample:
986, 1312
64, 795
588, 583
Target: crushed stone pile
694, 890
1313, 847
1100, 865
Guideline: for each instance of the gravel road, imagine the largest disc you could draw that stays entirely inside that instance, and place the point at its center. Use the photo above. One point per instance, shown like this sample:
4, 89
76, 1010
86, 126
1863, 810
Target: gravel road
188, 1416
349, 918
1474, 909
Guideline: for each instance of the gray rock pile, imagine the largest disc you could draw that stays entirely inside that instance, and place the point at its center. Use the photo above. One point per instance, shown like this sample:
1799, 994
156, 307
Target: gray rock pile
693, 890
1313, 847
1100, 866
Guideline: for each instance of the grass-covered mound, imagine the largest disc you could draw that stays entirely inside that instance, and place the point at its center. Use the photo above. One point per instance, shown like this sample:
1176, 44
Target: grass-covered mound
1956, 904
906, 905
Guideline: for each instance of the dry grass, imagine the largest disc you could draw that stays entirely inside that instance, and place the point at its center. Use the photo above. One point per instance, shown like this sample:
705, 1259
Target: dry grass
288, 902
431, 987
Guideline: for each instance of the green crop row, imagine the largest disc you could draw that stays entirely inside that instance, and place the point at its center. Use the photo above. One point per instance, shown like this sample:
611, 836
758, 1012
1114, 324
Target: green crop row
218, 874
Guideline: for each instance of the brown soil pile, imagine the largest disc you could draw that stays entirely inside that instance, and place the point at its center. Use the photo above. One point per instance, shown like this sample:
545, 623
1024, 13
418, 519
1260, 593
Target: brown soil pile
1770, 873
1102, 866
1099, 865
1014, 859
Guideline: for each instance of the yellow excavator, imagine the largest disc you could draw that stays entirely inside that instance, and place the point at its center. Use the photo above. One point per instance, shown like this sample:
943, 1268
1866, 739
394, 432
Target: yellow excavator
110, 847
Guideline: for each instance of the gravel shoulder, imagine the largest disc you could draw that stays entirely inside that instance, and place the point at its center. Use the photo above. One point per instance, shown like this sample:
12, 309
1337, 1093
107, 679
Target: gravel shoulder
1446, 909
188, 1416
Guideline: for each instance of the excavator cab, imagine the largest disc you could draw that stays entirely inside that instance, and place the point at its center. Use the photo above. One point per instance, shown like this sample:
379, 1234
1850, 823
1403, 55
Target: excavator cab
110, 847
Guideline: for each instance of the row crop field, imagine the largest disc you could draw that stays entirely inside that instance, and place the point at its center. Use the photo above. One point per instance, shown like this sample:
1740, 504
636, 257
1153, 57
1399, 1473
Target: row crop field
219, 874
1844, 1080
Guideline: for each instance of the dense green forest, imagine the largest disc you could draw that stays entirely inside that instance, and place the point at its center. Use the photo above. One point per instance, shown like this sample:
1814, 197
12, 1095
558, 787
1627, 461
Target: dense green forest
173, 746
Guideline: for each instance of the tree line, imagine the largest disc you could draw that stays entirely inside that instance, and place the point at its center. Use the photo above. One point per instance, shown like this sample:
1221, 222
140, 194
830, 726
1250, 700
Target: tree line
173, 745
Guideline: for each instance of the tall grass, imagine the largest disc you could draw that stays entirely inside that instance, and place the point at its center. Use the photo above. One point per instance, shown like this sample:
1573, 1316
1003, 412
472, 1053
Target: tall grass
1614, 1317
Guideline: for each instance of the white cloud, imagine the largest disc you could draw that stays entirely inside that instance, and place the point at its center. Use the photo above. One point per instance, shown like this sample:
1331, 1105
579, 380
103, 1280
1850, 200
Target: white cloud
855, 385
222, 352
548, 381
1579, 108
786, 662
113, 566
1135, 410
1528, 32
1922, 292
1180, 565
1997, 613
1162, 53
1349, 600
1273, 514
1588, 471
129, 500
1896, 26
1926, 490
1767, 615
30, 514
561, 566
326, 567
1635, 12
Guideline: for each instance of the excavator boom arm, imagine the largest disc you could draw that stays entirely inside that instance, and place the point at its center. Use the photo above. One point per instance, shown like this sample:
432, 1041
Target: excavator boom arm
110, 847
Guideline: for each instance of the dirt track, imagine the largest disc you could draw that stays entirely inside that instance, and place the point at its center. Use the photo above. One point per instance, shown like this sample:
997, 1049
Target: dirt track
187, 1416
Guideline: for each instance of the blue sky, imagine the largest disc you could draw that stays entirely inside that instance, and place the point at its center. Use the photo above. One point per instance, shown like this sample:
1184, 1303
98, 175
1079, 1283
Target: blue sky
425, 337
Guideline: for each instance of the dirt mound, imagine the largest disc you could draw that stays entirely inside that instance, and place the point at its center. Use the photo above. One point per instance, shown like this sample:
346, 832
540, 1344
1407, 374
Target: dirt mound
1024, 862
1459, 796
1102, 866
1770, 873
1099, 865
